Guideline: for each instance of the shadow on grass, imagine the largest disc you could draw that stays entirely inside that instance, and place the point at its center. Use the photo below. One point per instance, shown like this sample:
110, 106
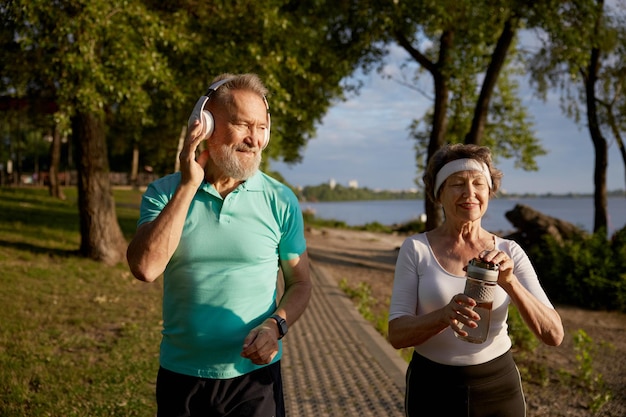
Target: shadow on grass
36, 214
40, 250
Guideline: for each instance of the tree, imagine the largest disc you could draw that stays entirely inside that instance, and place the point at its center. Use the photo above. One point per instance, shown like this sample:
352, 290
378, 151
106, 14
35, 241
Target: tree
304, 51
54, 185
459, 43
582, 55
135, 69
89, 58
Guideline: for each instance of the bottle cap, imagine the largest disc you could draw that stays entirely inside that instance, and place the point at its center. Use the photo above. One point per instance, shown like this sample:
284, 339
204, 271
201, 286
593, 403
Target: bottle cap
479, 269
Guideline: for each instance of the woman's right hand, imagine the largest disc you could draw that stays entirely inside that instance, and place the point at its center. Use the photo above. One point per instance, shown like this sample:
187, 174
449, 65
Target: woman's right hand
460, 310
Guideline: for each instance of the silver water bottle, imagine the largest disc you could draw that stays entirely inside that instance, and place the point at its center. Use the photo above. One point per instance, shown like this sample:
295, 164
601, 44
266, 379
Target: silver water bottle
480, 284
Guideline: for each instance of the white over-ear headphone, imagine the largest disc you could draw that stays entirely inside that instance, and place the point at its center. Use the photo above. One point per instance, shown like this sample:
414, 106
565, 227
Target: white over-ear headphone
207, 123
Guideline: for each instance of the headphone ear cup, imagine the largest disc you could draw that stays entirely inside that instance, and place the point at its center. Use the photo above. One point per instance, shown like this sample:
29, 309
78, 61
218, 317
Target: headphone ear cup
208, 123
266, 140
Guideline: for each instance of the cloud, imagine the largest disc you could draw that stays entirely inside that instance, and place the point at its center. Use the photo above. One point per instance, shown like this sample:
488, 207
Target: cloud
366, 139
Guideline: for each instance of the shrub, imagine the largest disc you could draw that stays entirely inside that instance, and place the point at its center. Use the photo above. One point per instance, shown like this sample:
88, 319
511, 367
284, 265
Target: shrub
521, 336
586, 271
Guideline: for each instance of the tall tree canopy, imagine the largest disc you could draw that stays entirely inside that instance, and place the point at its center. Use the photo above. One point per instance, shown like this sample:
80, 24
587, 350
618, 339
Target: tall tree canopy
581, 55
469, 49
130, 73
124, 77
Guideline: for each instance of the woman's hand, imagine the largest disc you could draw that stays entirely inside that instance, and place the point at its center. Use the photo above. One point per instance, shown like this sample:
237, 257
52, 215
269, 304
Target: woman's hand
543, 321
505, 265
460, 311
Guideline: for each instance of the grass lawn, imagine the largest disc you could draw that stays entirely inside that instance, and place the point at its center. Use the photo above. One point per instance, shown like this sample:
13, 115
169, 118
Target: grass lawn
77, 338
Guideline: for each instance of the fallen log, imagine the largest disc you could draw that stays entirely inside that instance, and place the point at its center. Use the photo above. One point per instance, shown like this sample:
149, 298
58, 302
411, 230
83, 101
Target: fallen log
533, 225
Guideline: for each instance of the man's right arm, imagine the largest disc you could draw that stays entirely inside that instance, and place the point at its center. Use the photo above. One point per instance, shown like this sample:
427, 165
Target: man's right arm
155, 242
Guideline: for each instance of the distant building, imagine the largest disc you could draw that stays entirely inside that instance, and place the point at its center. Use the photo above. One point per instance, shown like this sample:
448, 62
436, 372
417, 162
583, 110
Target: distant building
353, 184
332, 183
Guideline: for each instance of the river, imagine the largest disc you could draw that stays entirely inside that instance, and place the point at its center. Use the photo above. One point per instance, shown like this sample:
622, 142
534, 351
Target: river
576, 210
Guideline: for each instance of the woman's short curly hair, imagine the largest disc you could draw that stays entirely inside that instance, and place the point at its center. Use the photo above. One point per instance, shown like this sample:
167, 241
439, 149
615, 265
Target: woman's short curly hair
458, 151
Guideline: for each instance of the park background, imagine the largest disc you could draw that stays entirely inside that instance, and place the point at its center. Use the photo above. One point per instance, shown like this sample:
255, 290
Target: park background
101, 91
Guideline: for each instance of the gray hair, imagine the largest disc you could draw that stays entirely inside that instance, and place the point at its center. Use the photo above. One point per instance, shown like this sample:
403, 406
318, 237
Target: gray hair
452, 152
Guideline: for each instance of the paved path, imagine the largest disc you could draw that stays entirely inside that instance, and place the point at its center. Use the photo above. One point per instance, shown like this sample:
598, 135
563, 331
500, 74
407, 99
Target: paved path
336, 364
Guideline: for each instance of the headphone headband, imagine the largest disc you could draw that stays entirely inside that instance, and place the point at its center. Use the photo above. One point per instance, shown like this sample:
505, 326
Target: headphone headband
213, 88
206, 118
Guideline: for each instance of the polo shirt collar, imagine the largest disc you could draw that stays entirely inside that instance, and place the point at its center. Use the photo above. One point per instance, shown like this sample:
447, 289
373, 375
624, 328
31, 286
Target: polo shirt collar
254, 183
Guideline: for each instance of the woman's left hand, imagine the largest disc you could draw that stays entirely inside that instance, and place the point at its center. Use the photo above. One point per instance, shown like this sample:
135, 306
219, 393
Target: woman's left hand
504, 262
544, 321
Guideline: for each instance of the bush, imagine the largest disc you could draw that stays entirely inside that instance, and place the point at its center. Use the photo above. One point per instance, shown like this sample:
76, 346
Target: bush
586, 271
521, 336
411, 227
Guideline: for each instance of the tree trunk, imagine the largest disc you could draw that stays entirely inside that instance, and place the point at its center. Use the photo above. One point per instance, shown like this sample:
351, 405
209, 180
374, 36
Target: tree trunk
134, 169
434, 215
101, 236
618, 137
600, 219
55, 163
474, 136
622, 150
179, 149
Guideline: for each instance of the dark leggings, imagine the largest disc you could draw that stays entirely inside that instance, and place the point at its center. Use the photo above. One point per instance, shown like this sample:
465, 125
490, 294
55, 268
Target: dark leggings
491, 389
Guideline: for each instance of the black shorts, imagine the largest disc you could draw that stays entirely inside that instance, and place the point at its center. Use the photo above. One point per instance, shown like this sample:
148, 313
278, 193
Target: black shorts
490, 389
257, 394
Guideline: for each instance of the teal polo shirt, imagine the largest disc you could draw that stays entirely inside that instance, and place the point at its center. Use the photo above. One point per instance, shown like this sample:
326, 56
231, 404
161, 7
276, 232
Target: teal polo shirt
222, 279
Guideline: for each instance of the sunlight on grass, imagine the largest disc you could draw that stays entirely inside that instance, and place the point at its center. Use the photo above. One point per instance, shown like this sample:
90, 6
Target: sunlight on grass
78, 338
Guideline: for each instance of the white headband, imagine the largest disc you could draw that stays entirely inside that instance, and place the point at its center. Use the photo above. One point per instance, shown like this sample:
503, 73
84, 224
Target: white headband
458, 165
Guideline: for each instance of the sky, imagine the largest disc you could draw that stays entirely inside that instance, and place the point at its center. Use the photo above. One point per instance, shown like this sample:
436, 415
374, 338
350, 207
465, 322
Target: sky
366, 139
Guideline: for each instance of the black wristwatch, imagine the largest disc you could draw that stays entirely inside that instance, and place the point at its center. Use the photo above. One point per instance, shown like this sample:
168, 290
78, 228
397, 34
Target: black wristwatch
282, 325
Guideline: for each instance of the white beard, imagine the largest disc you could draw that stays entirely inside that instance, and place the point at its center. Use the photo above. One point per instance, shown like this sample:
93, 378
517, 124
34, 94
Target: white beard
226, 159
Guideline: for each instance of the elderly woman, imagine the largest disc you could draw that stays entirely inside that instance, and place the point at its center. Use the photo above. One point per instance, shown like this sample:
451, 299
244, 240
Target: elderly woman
428, 308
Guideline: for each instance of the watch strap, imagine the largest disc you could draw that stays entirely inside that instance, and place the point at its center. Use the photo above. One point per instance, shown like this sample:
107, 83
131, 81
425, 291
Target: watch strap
282, 325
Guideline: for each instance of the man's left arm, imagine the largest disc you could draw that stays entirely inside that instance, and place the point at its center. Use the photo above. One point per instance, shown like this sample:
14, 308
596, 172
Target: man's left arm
296, 273
261, 345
